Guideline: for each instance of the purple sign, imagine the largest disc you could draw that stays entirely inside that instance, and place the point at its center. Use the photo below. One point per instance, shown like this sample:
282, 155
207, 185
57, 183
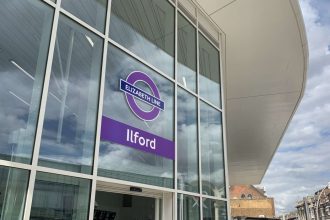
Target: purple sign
126, 135
132, 92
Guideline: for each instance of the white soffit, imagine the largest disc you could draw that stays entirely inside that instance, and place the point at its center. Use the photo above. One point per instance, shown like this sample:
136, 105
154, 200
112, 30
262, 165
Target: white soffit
265, 72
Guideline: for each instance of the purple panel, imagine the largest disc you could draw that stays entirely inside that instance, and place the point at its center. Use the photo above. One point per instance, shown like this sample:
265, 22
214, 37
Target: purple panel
120, 133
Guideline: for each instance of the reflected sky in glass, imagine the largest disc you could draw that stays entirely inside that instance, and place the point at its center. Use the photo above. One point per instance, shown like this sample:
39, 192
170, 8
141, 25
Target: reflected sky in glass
70, 119
187, 142
187, 54
123, 162
93, 12
146, 28
213, 182
25, 32
209, 72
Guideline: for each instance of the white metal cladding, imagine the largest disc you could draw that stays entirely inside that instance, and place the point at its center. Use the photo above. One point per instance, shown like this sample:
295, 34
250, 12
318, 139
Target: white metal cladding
34, 168
265, 62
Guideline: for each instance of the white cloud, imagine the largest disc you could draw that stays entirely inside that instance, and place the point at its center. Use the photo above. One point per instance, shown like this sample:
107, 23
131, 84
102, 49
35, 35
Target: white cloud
302, 164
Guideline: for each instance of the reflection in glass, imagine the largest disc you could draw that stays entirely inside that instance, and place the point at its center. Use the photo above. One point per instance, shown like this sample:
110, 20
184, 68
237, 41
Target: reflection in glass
146, 27
214, 210
123, 162
60, 197
115, 206
70, 119
187, 54
25, 31
187, 142
188, 207
209, 69
13, 187
90, 11
213, 182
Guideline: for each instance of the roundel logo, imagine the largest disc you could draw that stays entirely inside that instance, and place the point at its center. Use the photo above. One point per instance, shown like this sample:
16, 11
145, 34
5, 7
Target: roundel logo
132, 93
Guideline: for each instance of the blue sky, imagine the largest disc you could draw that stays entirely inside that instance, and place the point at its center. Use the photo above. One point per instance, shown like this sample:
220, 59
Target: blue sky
302, 163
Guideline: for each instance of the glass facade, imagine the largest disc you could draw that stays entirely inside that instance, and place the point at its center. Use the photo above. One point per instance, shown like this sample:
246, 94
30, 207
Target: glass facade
187, 54
188, 207
127, 163
187, 149
25, 33
60, 197
68, 135
145, 27
214, 210
13, 187
65, 70
212, 158
209, 69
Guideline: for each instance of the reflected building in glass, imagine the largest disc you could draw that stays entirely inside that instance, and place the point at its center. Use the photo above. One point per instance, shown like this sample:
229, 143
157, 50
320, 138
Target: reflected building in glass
111, 110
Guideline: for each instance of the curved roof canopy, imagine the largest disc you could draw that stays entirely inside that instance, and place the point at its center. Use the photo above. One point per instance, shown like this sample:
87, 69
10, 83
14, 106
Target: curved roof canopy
265, 61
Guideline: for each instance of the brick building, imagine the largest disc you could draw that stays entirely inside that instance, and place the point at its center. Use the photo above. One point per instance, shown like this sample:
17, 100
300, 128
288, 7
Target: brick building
250, 201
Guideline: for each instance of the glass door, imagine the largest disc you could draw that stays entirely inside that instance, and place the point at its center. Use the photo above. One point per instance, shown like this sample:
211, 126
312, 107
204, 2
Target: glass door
117, 206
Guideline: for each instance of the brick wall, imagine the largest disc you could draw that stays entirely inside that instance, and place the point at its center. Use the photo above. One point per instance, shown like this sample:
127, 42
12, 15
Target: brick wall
253, 208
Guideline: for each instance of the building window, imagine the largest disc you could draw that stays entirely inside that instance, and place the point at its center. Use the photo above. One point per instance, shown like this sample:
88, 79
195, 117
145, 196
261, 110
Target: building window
69, 130
90, 11
24, 40
249, 196
188, 207
187, 142
187, 54
60, 197
146, 27
243, 196
209, 70
212, 151
214, 209
13, 187
122, 162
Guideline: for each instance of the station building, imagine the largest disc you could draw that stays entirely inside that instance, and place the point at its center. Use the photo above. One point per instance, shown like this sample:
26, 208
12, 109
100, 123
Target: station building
142, 109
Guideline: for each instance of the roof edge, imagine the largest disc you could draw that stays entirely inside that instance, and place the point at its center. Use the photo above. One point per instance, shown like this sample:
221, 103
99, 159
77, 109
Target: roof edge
304, 45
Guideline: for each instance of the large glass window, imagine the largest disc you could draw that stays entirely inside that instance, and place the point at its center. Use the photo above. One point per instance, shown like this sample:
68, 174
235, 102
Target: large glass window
115, 206
187, 58
90, 11
25, 31
214, 210
118, 161
187, 142
209, 72
70, 120
60, 197
146, 27
13, 187
213, 182
188, 207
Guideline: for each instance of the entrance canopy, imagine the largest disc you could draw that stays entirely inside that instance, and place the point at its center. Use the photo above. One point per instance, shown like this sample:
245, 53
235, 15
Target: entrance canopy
265, 62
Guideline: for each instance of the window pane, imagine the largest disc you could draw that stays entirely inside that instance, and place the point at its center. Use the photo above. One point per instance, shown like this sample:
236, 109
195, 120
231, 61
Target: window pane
186, 54
214, 210
60, 197
25, 30
146, 27
209, 69
212, 151
122, 162
188, 207
93, 12
13, 187
70, 119
187, 142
